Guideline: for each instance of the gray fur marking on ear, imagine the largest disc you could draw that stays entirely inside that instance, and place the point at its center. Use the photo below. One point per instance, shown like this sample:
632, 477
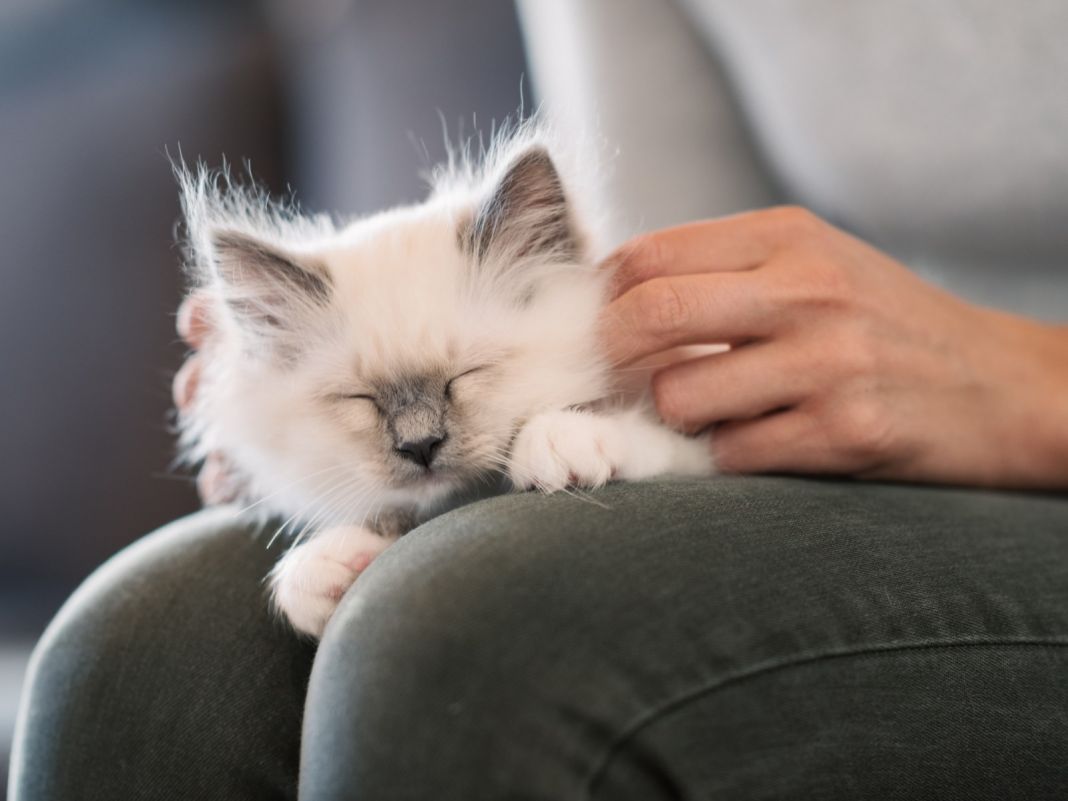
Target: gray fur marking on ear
526, 214
238, 255
265, 288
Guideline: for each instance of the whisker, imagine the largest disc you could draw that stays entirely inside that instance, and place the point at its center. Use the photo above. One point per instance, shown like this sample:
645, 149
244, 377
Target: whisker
290, 485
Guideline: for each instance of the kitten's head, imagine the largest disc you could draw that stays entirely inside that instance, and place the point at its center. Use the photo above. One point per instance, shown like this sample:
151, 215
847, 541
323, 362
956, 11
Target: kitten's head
389, 362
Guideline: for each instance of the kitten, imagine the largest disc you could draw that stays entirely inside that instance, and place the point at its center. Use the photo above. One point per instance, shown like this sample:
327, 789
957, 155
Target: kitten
362, 376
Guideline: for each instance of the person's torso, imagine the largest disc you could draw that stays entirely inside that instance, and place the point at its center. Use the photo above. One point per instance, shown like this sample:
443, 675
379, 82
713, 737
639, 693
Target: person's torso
938, 127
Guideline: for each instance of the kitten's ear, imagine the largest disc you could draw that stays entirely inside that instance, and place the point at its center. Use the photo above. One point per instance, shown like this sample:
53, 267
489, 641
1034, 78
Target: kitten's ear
525, 214
269, 292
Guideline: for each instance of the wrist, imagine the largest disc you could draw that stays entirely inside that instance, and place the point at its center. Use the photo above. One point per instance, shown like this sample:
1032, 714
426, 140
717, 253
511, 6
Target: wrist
1029, 376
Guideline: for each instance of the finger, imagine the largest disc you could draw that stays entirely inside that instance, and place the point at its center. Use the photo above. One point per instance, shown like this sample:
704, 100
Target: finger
790, 441
186, 381
686, 310
738, 242
194, 321
741, 384
215, 481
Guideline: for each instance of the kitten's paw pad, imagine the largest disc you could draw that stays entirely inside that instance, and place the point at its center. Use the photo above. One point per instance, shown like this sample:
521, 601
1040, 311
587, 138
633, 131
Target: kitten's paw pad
310, 580
561, 449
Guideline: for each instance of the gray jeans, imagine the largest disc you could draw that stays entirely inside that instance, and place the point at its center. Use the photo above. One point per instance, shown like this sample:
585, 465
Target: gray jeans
735, 639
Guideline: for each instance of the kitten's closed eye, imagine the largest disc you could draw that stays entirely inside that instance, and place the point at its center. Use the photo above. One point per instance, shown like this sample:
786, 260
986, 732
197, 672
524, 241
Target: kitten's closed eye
349, 397
455, 378
447, 391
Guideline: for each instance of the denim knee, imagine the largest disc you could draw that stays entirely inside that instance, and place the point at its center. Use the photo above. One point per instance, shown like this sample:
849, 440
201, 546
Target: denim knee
165, 676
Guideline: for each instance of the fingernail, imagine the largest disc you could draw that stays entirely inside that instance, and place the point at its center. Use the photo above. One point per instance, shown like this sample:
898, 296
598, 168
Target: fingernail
186, 381
194, 319
214, 482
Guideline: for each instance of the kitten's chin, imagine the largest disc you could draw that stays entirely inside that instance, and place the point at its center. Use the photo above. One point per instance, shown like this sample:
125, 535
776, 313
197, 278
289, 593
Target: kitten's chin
431, 486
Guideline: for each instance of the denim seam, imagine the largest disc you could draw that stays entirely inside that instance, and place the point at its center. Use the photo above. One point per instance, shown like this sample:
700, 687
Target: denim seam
668, 707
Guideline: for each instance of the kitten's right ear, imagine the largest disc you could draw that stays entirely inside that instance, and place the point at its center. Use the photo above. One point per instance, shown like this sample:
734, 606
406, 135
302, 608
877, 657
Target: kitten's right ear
525, 214
268, 292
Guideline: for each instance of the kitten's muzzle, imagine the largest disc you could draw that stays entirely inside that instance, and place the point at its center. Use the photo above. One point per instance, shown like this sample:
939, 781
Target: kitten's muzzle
420, 452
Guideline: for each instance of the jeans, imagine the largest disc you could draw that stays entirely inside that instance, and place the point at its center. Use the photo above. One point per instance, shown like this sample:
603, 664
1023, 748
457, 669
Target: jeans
739, 638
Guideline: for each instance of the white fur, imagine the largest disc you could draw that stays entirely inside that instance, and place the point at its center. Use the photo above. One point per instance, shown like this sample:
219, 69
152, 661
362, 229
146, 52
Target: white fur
311, 578
405, 300
568, 447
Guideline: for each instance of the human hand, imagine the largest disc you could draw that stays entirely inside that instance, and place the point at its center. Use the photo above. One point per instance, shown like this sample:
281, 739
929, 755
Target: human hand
216, 482
842, 360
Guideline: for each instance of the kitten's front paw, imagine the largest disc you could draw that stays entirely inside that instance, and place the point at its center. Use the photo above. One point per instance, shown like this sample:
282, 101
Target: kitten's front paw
555, 450
308, 582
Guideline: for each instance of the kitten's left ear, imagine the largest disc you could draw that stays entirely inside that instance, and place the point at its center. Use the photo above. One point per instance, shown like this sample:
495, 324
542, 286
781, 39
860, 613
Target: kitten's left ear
270, 293
525, 214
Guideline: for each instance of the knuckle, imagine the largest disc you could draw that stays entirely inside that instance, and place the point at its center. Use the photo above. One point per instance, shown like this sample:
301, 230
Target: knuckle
833, 282
857, 356
666, 397
862, 431
647, 256
819, 283
813, 274
663, 308
798, 219
811, 265
732, 450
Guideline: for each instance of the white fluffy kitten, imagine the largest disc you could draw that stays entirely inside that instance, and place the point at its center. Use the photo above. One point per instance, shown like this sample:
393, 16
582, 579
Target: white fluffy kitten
361, 375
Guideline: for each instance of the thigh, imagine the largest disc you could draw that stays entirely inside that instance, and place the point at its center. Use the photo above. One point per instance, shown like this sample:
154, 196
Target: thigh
980, 721
165, 676
640, 642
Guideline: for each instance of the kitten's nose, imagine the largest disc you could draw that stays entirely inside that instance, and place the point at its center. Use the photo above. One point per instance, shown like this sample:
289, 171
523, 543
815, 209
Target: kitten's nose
422, 451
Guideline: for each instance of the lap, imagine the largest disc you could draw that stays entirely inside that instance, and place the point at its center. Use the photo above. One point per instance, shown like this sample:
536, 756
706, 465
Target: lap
687, 634
751, 571
590, 624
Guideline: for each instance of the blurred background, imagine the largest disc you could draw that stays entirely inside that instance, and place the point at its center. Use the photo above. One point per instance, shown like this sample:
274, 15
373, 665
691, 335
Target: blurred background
343, 100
